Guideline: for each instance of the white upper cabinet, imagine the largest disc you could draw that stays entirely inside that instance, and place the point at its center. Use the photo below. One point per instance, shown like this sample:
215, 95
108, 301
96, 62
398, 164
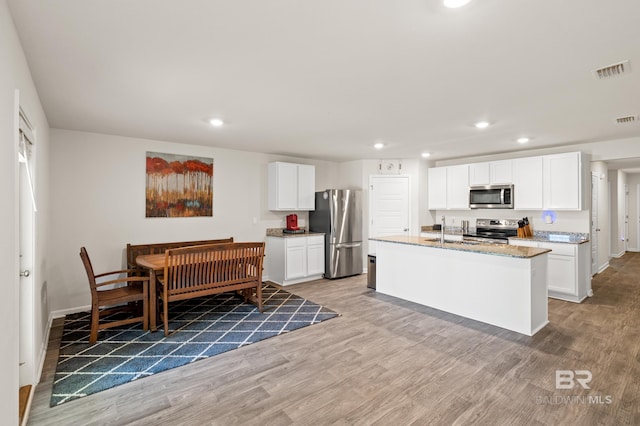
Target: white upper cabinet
479, 174
291, 186
500, 172
562, 183
458, 187
491, 173
449, 187
437, 187
548, 182
306, 187
527, 183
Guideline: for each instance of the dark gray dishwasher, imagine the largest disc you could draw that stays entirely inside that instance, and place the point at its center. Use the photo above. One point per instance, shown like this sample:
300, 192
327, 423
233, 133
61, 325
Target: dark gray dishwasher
371, 272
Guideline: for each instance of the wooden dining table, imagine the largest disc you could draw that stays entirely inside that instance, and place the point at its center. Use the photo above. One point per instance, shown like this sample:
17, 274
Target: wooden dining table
155, 264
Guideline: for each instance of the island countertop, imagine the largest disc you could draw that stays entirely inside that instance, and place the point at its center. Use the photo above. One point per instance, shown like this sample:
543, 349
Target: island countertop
491, 249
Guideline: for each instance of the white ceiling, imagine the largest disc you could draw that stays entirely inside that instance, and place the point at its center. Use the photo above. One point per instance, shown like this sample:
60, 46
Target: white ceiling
326, 79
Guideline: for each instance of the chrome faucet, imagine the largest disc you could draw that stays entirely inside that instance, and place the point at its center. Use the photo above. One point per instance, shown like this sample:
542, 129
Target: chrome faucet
442, 231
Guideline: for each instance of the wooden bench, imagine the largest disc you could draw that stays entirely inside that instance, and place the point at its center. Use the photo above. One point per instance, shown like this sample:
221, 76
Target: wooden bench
135, 250
211, 269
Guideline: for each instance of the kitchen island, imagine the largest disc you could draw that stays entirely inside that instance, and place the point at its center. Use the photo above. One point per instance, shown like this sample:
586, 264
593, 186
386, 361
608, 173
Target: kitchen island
501, 285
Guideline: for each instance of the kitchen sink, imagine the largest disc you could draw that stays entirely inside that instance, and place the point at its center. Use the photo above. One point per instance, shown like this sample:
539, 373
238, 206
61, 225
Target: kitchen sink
457, 242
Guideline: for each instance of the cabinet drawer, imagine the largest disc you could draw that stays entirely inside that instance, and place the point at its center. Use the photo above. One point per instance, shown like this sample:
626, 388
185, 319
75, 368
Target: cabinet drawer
560, 249
296, 241
315, 240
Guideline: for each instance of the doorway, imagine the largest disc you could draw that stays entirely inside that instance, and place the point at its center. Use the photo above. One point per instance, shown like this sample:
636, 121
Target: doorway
389, 206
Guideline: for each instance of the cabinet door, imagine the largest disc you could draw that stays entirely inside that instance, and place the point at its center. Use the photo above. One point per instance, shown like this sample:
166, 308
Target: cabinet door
306, 187
458, 187
315, 257
283, 186
479, 174
562, 185
500, 172
296, 258
527, 183
561, 273
437, 187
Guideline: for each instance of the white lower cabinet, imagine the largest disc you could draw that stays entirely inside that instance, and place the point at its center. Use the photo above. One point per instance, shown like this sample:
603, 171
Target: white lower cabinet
568, 269
315, 255
292, 260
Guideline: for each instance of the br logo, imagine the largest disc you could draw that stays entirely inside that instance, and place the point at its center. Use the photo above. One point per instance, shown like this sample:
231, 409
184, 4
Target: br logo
566, 379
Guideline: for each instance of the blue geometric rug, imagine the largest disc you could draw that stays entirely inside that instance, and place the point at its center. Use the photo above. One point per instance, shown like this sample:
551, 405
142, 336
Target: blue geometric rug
206, 327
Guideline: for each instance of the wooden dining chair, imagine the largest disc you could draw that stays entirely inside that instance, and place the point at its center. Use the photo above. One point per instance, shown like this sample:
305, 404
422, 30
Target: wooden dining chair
118, 299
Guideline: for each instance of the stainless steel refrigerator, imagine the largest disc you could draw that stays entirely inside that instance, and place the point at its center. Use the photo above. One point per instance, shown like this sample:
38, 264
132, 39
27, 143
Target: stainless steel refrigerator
338, 214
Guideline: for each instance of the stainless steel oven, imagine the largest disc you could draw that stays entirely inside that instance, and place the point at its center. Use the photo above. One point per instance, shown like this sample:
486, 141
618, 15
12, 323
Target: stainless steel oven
491, 197
494, 231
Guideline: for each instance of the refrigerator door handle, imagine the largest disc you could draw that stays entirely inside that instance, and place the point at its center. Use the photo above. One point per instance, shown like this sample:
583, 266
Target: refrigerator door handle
348, 245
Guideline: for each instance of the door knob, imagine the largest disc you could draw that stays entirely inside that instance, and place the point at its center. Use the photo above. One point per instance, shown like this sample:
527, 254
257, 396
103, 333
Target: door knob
406, 229
25, 273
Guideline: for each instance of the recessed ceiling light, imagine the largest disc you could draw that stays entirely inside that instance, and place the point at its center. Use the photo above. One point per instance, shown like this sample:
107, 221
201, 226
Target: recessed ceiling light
482, 124
426, 155
455, 3
378, 145
216, 122
523, 140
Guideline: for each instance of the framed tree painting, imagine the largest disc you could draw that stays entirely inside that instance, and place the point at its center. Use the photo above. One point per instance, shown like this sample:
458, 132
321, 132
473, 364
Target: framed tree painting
178, 185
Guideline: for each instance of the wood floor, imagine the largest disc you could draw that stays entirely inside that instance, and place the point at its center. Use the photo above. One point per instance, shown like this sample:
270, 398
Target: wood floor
389, 362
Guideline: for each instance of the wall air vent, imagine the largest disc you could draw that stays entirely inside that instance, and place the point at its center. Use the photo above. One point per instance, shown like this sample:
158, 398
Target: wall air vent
614, 70
628, 119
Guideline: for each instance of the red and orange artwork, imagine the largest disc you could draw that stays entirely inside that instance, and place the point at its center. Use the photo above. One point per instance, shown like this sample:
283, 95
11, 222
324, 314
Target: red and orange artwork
179, 186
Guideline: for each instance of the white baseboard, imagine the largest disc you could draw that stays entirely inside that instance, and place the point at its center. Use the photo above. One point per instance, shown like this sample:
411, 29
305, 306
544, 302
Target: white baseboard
633, 249
603, 267
45, 341
63, 312
618, 255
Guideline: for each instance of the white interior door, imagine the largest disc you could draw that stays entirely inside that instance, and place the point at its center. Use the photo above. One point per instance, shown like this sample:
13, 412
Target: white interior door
594, 224
638, 216
389, 206
626, 217
26, 239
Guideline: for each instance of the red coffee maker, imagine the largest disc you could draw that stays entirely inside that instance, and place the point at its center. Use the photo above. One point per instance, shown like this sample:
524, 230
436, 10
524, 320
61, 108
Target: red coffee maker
292, 222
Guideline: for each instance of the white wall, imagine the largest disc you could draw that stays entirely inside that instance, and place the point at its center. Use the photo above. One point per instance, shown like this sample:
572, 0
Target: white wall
98, 201
14, 74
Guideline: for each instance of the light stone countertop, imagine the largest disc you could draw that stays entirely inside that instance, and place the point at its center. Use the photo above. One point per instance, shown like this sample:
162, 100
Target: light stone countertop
556, 237
277, 232
540, 236
490, 249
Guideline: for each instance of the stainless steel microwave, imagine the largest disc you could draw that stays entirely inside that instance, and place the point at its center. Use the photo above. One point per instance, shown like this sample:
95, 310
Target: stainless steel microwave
491, 197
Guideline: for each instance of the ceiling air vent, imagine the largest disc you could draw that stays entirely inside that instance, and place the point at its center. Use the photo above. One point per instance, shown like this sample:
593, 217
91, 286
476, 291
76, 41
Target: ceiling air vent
628, 119
614, 70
